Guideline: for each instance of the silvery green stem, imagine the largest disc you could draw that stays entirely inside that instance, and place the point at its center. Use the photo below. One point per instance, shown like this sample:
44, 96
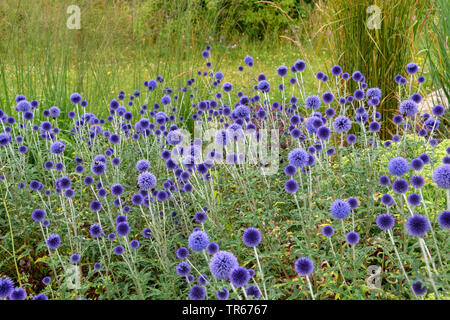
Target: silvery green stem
425, 256
337, 261
261, 272
310, 288
234, 289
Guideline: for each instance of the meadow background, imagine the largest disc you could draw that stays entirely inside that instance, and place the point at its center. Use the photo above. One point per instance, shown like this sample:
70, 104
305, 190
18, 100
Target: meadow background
122, 43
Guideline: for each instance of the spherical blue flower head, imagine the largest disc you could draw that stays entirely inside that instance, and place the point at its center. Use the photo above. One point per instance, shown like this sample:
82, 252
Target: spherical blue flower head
373, 93
146, 181
212, 248
197, 293
264, 86
205, 54
198, 240
298, 157
312, 102
327, 231
118, 250
239, 277
282, 70
291, 186
351, 139
417, 164
222, 263
414, 199
200, 217
444, 219
342, 124
38, 215
53, 241
323, 133
385, 221
408, 107
398, 166
253, 291
425, 158
23, 106
304, 266
123, 229
387, 200
46, 280
95, 205
5, 139
417, 181
417, 225
98, 167
336, 70
182, 253
441, 176
6, 287
412, 68
290, 170
251, 237
96, 231
117, 189
40, 296
203, 280
174, 137
353, 203
57, 147
327, 97
183, 269
97, 266
299, 65
418, 288
18, 294
438, 110
75, 258
400, 186
54, 112
142, 165
111, 236
374, 126
222, 294
248, 60
340, 209
75, 98
147, 233
352, 238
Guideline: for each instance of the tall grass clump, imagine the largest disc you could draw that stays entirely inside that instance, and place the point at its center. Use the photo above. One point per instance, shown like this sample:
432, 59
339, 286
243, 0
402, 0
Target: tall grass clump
377, 45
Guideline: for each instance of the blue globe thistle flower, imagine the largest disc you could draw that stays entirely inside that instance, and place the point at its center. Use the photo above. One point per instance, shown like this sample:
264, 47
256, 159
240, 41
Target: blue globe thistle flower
291, 186
373, 93
384, 181
353, 203
298, 157
417, 225
251, 237
264, 86
417, 181
400, 186
53, 241
253, 291
54, 112
336, 70
419, 289
323, 133
299, 65
95, 205
183, 269
385, 221
290, 170
248, 60
239, 277
23, 106
118, 250
123, 229
147, 233
75, 98
221, 264
40, 296
444, 219
412, 68
97, 266
282, 71
398, 166
75, 258
212, 248
340, 209
327, 231
414, 199
408, 107
352, 238
351, 139
327, 97
417, 164
6, 287
441, 176
96, 231
304, 266
46, 280
222, 294
38, 215
387, 200
182, 253
342, 124
312, 102
146, 181
374, 126
57, 147
111, 236
117, 189
200, 217
197, 293
18, 294
438, 110
198, 240
142, 165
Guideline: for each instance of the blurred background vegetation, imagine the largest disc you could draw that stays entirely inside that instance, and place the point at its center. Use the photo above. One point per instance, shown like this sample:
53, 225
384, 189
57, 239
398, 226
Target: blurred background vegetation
121, 43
